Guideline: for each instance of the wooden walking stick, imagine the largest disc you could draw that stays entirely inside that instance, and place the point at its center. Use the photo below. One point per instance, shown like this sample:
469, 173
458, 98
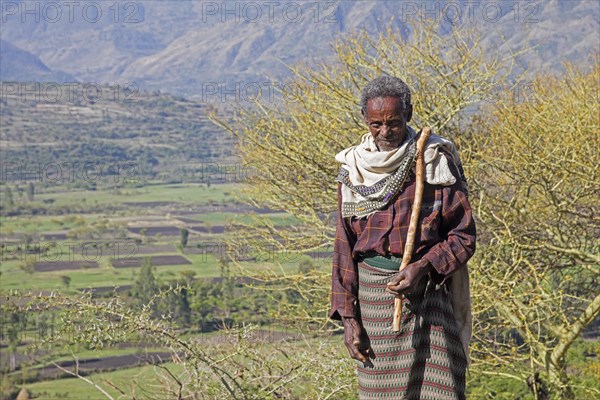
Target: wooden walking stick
414, 217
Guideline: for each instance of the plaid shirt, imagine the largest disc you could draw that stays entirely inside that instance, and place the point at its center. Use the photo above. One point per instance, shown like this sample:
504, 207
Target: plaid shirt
445, 237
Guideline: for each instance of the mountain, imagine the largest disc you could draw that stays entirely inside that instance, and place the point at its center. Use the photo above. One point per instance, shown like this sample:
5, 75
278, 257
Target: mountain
19, 65
183, 46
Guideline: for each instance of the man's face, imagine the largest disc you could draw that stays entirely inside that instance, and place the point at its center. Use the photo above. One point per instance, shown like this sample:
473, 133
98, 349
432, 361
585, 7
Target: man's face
386, 118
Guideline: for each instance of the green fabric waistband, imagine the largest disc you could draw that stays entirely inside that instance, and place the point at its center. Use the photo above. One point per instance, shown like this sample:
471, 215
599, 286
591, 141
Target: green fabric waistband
376, 260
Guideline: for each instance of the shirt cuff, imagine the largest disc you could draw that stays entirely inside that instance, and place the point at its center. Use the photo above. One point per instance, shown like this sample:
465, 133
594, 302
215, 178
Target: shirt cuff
348, 310
438, 277
437, 267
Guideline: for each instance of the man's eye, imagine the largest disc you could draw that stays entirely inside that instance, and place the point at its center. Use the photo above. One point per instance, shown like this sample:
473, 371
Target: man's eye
375, 124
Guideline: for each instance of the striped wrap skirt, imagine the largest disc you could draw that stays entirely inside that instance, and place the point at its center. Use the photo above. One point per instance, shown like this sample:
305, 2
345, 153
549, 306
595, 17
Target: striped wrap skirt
425, 360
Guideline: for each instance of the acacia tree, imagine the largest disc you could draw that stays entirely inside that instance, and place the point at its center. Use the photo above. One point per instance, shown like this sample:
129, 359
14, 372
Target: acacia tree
536, 180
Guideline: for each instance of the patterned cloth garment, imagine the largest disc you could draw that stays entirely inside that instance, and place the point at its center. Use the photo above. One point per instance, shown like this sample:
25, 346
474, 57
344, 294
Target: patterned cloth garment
425, 360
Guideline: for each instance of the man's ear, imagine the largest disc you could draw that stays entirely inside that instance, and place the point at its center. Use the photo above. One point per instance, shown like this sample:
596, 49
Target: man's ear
408, 112
364, 114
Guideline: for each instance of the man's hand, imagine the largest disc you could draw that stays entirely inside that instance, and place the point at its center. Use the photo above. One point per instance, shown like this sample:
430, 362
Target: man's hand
407, 279
356, 341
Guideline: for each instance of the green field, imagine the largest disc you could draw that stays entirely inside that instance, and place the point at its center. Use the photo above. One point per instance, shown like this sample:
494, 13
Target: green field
181, 193
14, 276
30, 224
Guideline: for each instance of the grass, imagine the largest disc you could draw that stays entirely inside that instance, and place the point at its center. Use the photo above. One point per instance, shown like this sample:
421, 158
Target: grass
204, 266
60, 355
79, 200
192, 193
43, 223
218, 218
77, 389
15, 278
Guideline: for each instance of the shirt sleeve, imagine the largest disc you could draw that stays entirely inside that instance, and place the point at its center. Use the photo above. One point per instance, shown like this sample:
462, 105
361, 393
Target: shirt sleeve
457, 230
344, 293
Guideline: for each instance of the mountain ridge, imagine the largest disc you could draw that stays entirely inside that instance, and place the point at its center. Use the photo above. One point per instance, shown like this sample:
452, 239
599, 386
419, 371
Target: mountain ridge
181, 46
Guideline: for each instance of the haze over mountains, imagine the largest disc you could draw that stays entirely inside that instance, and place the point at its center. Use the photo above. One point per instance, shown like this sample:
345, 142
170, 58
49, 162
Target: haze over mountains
180, 46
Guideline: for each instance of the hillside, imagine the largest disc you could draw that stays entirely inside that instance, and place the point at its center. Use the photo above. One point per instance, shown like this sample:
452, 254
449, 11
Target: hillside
161, 136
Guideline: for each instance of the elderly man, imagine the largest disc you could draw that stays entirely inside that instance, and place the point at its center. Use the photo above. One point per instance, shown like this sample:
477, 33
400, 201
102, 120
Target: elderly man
428, 358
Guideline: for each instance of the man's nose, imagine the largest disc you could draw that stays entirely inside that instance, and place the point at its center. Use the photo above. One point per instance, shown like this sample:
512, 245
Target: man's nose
385, 130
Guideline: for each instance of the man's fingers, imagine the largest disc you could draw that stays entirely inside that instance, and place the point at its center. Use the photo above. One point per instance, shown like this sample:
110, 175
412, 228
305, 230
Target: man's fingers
355, 353
357, 345
397, 289
397, 284
396, 280
355, 349
367, 351
360, 356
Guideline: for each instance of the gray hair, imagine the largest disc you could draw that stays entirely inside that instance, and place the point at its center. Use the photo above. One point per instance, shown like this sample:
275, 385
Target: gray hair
385, 86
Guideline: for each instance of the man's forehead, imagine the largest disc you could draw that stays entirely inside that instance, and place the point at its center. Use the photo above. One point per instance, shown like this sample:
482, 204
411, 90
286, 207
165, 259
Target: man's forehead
378, 103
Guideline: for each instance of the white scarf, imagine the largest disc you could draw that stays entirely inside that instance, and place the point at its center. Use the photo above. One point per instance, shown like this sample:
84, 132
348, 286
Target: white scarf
371, 178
